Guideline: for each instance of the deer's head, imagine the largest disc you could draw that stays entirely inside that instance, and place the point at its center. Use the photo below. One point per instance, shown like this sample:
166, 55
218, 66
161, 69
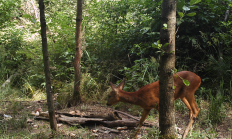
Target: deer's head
113, 97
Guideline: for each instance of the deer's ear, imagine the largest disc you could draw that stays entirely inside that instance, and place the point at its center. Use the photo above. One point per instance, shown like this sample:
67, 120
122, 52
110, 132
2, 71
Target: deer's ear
114, 88
121, 85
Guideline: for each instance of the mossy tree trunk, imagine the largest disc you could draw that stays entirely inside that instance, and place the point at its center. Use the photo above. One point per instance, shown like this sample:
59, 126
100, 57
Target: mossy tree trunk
167, 65
52, 119
77, 60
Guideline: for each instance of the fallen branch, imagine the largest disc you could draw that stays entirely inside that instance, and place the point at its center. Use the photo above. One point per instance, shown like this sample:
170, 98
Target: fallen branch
77, 120
8, 80
134, 118
107, 119
111, 116
126, 114
110, 129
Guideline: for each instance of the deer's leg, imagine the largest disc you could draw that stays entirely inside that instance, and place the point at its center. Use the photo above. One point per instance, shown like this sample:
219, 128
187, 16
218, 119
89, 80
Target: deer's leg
193, 114
144, 116
188, 105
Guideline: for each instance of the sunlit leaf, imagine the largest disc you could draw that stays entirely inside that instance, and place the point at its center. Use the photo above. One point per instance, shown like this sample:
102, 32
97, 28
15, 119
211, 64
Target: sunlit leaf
165, 26
194, 2
186, 82
26, 16
185, 8
180, 14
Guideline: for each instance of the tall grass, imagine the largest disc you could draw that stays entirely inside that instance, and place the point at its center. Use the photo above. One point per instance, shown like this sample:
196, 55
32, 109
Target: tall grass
216, 111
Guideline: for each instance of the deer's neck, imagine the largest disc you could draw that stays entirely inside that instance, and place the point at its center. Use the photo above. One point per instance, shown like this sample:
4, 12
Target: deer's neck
129, 97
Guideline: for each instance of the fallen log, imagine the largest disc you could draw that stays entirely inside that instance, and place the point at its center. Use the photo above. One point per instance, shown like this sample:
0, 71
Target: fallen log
73, 121
111, 116
77, 120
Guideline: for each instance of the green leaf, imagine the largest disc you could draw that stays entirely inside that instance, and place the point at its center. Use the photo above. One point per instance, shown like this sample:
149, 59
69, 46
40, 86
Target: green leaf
194, 2
157, 45
174, 87
191, 14
175, 70
166, 44
165, 26
185, 8
186, 82
154, 45
180, 14
26, 16
180, 4
193, 7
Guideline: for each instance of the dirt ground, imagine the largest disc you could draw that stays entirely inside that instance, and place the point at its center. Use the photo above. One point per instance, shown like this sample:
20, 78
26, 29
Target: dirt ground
91, 130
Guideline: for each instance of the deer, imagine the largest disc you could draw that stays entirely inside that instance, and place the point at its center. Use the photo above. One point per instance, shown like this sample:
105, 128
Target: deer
147, 97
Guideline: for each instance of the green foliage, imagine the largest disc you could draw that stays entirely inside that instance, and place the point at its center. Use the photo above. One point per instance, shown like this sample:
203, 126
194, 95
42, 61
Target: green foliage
180, 106
118, 26
216, 112
11, 43
118, 41
13, 124
90, 88
8, 10
153, 132
144, 71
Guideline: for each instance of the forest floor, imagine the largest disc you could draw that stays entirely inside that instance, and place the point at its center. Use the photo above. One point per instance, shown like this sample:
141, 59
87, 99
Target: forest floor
41, 128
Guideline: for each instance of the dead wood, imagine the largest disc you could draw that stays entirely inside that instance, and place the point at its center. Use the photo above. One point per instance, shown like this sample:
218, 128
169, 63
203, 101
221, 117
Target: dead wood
134, 118
126, 114
111, 116
77, 120
41, 118
81, 120
110, 129
8, 80
110, 119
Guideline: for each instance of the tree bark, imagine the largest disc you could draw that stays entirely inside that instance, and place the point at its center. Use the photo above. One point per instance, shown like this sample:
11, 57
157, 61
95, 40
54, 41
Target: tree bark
167, 65
227, 14
51, 111
78, 50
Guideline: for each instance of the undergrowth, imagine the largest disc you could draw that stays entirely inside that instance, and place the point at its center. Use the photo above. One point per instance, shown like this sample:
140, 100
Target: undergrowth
213, 109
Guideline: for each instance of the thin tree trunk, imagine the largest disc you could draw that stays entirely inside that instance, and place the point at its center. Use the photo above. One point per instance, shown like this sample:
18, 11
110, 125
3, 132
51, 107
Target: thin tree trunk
77, 60
167, 64
51, 111
220, 49
227, 14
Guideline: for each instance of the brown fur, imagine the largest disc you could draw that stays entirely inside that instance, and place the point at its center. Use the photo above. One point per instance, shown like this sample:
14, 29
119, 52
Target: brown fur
148, 96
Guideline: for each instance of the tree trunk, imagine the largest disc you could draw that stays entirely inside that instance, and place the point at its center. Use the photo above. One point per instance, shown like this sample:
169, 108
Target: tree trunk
227, 14
167, 65
77, 60
51, 111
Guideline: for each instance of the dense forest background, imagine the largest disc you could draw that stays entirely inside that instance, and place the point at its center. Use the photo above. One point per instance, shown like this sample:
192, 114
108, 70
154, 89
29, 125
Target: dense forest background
119, 40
